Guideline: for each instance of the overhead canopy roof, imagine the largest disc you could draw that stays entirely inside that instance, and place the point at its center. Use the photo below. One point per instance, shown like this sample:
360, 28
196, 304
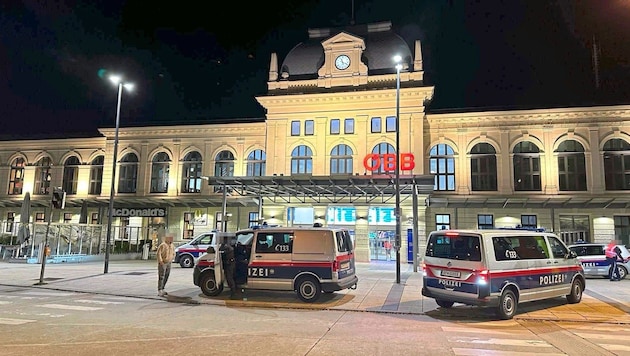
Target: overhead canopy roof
607, 201
324, 189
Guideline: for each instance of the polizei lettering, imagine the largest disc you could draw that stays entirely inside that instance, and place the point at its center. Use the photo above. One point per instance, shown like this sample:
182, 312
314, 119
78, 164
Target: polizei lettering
552, 279
450, 283
145, 213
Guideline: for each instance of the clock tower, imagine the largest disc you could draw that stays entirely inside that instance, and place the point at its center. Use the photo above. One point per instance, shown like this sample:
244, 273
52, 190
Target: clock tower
343, 64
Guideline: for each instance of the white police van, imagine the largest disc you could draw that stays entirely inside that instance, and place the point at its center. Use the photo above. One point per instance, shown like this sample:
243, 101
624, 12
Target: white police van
593, 259
308, 261
187, 254
499, 268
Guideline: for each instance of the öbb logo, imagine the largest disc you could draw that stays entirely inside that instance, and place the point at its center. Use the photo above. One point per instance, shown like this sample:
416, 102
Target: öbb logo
387, 162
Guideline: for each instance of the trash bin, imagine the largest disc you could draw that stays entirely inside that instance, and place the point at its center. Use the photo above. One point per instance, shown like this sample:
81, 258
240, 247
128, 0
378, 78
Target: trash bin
145, 251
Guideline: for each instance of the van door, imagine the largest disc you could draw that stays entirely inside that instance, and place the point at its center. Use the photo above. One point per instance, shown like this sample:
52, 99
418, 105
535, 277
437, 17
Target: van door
563, 269
270, 266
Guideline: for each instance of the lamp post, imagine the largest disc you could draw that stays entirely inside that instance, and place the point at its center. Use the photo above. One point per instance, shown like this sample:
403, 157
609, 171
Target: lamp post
397, 60
110, 212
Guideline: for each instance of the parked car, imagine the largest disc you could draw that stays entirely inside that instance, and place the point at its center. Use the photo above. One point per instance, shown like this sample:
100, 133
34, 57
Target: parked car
188, 254
593, 259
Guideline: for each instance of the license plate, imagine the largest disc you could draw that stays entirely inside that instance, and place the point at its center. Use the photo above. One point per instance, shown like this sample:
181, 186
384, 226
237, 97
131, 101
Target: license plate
445, 273
345, 265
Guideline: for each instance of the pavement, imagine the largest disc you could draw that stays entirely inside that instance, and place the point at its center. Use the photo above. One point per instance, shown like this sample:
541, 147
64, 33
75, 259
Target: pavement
377, 291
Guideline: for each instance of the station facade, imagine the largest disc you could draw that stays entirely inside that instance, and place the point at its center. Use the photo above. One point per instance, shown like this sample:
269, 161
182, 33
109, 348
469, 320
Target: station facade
331, 110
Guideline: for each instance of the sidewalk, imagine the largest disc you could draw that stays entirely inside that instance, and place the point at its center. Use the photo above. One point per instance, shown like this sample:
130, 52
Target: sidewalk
376, 292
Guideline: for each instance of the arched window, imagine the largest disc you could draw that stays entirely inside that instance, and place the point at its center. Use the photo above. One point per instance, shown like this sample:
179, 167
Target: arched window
42, 176
301, 160
128, 176
341, 160
384, 166
159, 173
70, 175
256, 163
617, 164
571, 166
483, 167
526, 167
96, 175
16, 176
191, 173
224, 164
442, 165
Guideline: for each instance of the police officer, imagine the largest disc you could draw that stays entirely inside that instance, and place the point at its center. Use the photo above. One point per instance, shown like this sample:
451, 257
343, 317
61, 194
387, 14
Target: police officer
227, 258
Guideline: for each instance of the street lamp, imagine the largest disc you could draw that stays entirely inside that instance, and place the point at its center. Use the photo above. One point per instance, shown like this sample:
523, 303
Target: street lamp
110, 213
397, 60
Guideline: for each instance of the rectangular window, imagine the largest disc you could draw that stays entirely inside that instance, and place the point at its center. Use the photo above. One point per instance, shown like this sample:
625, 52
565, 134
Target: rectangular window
94, 219
390, 124
189, 226
460, 247
10, 221
520, 248
334, 127
295, 128
67, 217
348, 126
622, 229
40, 217
485, 221
442, 221
253, 219
376, 124
309, 127
277, 242
529, 221
574, 228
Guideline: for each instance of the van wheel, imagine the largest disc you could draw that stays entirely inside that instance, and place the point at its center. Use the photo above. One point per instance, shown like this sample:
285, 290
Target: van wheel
576, 292
308, 289
623, 272
507, 305
209, 286
186, 261
444, 303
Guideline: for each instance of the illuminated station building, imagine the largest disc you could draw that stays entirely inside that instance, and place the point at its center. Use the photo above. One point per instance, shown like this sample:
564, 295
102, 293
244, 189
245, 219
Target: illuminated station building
325, 153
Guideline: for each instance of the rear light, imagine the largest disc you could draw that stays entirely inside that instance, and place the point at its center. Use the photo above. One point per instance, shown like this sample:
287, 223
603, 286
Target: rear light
335, 265
452, 234
424, 268
483, 277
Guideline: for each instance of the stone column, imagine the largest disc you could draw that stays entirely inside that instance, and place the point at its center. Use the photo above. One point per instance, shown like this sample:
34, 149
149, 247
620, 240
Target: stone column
361, 238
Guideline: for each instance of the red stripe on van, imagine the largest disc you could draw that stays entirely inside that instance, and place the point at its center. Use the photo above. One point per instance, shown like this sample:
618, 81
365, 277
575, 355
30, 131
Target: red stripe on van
290, 264
205, 263
503, 274
344, 258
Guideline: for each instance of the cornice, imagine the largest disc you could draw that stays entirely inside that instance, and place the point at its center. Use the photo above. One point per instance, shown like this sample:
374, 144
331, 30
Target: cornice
189, 131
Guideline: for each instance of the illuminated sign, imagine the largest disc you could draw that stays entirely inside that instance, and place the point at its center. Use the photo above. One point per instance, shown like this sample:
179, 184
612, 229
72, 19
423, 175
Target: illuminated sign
387, 162
341, 215
382, 215
144, 213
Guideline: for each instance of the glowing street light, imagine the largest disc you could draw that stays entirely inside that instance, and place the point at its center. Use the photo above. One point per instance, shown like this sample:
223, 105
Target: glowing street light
398, 60
110, 214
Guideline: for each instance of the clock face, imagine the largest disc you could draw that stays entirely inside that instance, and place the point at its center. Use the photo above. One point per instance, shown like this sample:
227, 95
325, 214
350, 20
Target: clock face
342, 62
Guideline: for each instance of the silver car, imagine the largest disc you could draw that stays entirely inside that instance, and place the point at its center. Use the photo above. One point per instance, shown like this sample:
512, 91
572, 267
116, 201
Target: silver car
593, 259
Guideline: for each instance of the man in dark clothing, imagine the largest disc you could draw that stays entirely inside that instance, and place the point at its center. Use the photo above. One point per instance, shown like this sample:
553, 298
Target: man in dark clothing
227, 258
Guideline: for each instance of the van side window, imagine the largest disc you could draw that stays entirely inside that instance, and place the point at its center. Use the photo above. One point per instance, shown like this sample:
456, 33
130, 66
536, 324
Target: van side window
504, 249
344, 241
206, 239
558, 250
277, 242
588, 250
531, 247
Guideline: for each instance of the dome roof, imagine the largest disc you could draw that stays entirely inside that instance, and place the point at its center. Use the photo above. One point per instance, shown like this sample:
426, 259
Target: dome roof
381, 44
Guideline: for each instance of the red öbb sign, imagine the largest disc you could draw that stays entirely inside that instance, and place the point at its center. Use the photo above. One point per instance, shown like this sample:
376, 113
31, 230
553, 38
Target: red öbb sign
387, 161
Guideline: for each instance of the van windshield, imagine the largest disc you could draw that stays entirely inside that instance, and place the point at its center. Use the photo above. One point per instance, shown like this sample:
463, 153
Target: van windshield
456, 247
344, 241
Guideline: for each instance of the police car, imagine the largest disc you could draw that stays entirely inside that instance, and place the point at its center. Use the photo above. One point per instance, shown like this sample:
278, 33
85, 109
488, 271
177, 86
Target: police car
593, 259
188, 254
499, 268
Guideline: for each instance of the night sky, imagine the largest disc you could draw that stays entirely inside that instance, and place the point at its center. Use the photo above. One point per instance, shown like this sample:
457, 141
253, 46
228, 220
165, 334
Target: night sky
200, 62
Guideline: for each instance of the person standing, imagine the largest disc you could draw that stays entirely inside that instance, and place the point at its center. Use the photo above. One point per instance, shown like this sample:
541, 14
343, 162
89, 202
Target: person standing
165, 255
611, 257
228, 262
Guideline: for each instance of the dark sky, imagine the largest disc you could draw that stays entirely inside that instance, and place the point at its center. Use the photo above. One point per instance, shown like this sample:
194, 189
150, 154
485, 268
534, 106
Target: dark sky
194, 61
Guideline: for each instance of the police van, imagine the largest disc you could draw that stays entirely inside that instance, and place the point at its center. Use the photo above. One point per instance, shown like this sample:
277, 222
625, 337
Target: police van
187, 254
499, 268
308, 261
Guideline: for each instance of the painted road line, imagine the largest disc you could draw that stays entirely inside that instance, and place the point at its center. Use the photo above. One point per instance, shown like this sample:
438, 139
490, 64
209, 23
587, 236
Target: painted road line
593, 336
615, 347
48, 294
69, 307
486, 352
453, 329
5, 302
493, 341
7, 321
100, 302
